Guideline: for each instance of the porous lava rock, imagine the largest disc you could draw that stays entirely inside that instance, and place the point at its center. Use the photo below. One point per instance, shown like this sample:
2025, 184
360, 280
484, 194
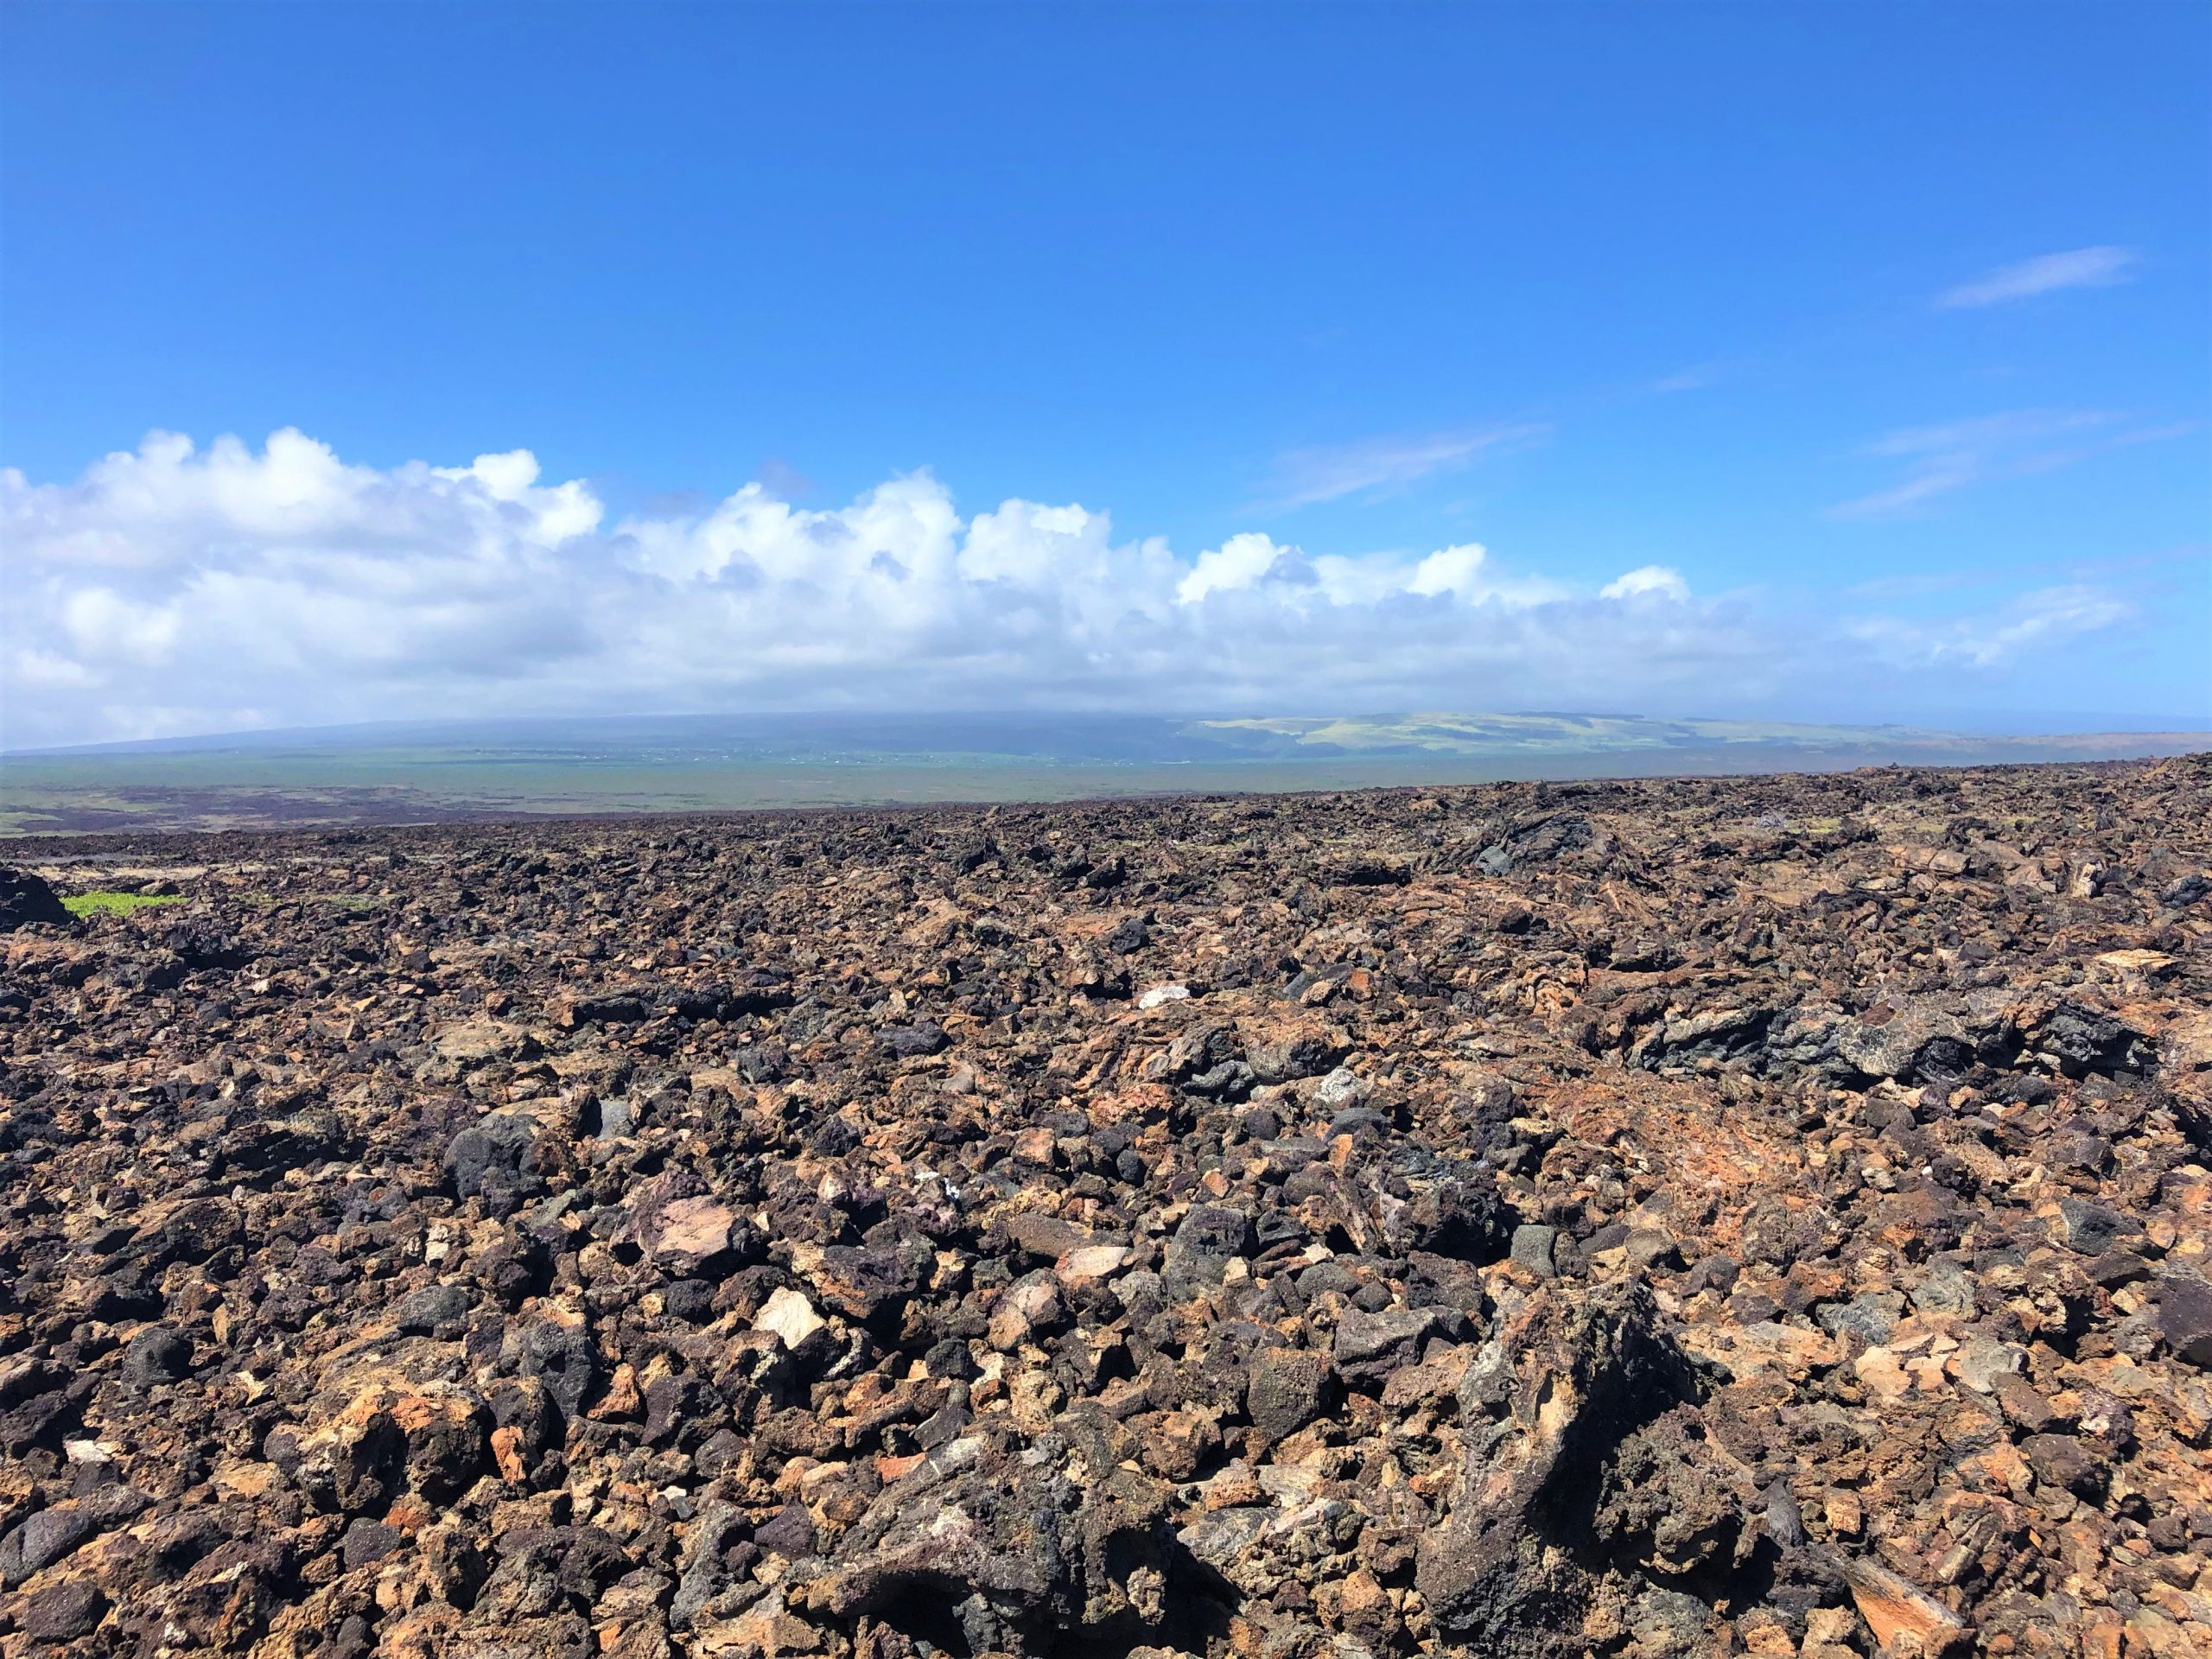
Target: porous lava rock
1764, 1216
25, 899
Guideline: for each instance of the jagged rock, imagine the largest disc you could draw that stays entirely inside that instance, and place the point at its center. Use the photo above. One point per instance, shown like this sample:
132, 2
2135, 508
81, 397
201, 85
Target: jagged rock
158, 1354
1898, 1611
697, 1228
433, 1310
1208, 1240
2091, 1229
63, 1613
1289, 1388
2185, 1317
42, 1540
1536, 843
1762, 1215
2081, 1041
865, 1284
1535, 1247
790, 1317
387, 1417
1006, 1551
26, 900
559, 1355
925, 1038
1561, 1382
1921, 1039
1370, 1346
491, 1159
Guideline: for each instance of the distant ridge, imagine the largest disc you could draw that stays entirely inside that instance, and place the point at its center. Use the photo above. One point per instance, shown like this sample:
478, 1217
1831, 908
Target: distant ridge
422, 771
1084, 736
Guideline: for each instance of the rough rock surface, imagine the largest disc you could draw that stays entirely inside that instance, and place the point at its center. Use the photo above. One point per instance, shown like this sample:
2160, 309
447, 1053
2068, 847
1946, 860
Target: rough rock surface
1658, 1218
25, 899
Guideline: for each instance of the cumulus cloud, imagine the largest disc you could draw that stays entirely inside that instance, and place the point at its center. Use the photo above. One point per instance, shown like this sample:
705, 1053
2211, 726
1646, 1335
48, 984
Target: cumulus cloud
1652, 580
1235, 564
175, 589
2077, 268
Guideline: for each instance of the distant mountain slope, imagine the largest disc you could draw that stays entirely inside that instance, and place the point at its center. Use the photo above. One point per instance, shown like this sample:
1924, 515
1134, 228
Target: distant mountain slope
1471, 735
1051, 737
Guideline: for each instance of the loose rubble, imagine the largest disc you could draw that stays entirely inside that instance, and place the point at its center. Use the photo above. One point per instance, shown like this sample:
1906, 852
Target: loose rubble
1770, 1216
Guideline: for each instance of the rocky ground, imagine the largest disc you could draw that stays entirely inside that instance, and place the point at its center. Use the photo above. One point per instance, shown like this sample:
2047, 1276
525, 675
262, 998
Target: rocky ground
1656, 1218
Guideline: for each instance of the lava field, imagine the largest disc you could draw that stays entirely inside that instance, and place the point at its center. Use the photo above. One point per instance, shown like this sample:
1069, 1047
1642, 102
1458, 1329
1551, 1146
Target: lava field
1766, 1215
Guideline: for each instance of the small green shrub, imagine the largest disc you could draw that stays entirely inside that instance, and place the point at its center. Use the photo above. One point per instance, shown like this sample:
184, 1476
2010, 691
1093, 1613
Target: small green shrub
122, 904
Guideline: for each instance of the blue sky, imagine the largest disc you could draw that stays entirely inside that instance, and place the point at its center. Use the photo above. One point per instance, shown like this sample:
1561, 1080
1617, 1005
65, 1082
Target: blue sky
1879, 331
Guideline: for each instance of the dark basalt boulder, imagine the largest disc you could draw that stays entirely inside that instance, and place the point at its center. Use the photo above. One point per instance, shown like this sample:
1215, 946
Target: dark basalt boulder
26, 901
1563, 1381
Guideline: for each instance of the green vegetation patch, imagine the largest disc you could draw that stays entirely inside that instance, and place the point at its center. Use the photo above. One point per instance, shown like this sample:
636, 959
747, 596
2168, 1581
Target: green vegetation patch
121, 904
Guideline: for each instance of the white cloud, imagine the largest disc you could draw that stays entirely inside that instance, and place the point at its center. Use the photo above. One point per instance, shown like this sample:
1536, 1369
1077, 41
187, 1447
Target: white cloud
2080, 268
1986, 434
1379, 466
1237, 563
101, 625
1953, 455
1463, 572
173, 589
1993, 638
553, 516
45, 671
1659, 581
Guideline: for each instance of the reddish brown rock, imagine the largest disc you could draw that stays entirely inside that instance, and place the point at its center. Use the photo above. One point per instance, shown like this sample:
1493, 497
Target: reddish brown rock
1767, 1216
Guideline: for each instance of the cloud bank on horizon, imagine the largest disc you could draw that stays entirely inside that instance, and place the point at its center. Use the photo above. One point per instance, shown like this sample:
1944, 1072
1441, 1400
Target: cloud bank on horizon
175, 589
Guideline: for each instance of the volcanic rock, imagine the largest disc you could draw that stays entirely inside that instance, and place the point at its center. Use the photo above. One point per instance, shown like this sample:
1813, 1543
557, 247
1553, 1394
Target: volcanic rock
27, 901
1764, 1216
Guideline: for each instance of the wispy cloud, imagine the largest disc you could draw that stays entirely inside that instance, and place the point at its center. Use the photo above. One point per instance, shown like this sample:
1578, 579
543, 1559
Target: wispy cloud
1696, 377
1379, 466
2073, 572
1951, 455
1990, 639
786, 480
2098, 267
1984, 433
